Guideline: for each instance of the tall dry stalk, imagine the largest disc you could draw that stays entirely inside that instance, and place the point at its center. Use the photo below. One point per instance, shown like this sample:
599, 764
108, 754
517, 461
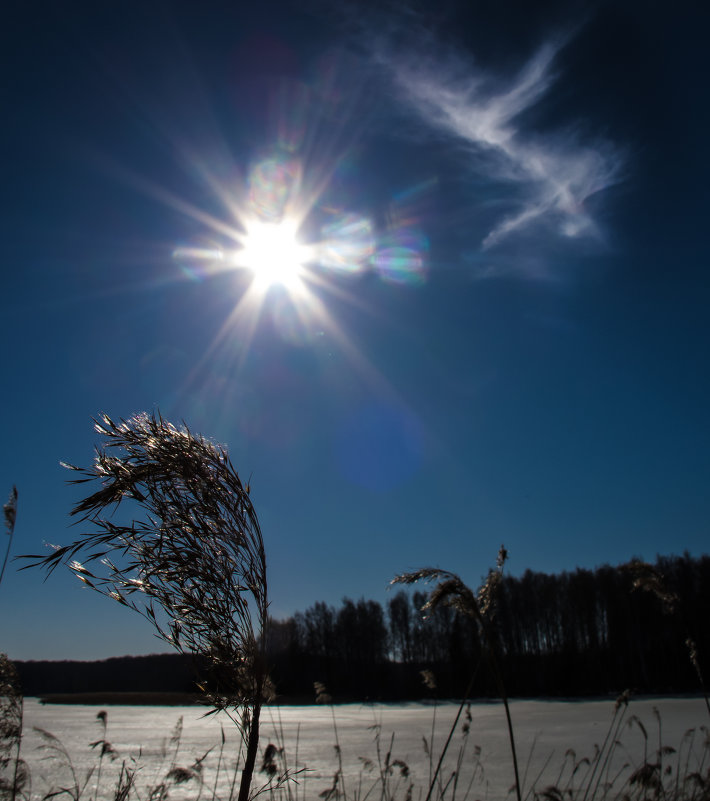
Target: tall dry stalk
647, 578
9, 511
194, 565
451, 591
13, 772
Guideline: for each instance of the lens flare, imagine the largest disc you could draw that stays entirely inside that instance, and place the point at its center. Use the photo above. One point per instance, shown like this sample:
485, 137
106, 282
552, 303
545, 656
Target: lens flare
273, 186
348, 243
401, 259
199, 263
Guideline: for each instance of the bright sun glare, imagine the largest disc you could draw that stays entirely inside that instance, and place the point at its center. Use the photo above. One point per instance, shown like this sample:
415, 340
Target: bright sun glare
273, 253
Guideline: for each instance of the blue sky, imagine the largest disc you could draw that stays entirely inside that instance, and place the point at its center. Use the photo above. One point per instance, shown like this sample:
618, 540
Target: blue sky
494, 329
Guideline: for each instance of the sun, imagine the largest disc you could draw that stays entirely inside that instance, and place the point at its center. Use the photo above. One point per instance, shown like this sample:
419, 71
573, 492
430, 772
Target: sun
273, 253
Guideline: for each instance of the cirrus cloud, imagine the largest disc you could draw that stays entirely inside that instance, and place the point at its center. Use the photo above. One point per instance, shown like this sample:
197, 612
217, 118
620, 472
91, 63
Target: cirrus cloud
549, 177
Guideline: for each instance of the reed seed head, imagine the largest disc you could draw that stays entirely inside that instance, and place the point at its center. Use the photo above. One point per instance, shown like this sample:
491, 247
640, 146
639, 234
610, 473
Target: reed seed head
322, 694
428, 678
193, 564
9, 511
649, 579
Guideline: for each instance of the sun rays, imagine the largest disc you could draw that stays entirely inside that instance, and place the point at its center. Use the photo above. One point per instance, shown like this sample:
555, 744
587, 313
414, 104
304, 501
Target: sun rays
292, 252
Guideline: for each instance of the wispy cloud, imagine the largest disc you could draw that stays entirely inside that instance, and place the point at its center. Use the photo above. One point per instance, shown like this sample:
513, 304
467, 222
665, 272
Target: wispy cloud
550, 175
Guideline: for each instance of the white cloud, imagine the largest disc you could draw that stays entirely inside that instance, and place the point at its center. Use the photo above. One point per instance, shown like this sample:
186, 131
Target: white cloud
552, 175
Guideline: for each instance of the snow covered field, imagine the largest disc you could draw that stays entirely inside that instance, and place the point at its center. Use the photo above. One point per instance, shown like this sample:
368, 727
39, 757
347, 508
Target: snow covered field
545, 730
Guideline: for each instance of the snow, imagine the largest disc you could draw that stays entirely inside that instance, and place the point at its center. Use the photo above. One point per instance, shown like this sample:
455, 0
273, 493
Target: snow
544, 732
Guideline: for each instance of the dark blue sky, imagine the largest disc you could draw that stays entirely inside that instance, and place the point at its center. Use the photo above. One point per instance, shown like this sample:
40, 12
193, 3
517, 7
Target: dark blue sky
500, 333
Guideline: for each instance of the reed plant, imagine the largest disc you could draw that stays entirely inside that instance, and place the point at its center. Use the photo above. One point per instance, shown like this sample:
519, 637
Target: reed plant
14, 776
193, 565
451, 591
9, 511
647, 578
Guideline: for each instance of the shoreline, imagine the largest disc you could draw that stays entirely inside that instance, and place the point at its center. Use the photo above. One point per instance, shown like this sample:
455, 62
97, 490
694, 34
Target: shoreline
130, 698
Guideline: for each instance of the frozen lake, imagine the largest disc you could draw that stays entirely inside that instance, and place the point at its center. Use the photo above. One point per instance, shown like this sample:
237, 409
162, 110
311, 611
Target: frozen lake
545, 731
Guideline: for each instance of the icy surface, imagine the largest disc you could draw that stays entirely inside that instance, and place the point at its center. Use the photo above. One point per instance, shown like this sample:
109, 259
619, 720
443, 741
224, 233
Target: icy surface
544, 730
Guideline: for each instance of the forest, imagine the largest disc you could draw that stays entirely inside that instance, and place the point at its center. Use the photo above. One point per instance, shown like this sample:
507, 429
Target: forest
580, 633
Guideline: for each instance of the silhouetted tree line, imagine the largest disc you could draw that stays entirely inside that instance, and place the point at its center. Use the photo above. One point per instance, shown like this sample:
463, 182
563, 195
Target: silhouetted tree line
154, 673
585, 632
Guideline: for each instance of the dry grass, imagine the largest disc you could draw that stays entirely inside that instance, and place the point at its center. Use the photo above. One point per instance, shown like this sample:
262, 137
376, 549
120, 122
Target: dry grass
632, 762
193, 563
